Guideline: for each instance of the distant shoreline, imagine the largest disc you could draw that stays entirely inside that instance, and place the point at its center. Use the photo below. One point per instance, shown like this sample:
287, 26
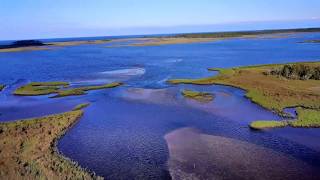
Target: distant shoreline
155, 40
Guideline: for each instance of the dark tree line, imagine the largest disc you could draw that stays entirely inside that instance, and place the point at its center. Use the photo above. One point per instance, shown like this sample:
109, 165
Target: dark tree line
297, 71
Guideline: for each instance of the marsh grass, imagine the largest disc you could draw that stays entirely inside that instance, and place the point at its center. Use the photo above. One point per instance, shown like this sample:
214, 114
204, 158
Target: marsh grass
46, 88
199, 96
1, 87
40, 88
81, 106
28, 149
270, 92
307, 118
82, 90
258, 125
274, 92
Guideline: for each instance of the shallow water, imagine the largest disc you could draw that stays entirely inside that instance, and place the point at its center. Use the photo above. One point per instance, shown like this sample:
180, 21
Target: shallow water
121, 135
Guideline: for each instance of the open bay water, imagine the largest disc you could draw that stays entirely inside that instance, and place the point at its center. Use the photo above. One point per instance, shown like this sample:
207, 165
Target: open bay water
121, 135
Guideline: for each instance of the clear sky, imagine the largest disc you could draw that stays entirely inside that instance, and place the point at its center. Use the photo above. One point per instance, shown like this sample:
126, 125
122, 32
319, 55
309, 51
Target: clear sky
25, 19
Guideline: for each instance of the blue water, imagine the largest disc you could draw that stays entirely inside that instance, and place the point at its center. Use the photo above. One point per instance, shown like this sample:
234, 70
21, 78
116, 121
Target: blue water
122, 137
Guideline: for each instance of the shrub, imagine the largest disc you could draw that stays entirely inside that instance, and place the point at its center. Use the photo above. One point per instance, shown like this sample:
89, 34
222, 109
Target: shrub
297, 71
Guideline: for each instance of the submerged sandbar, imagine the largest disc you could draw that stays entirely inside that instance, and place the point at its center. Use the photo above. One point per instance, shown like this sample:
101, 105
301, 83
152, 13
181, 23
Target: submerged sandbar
193, 155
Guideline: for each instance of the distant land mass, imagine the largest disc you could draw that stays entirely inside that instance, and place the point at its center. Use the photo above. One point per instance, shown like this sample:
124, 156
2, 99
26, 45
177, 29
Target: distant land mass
244, 33
23, 45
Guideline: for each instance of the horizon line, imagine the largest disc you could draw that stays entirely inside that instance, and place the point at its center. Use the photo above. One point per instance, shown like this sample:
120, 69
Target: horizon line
160, 34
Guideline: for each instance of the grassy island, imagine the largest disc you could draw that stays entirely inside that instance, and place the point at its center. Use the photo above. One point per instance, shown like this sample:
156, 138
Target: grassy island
267, 124
268, 86
58, 88
82, 90
28, 149
199, 96
40, 88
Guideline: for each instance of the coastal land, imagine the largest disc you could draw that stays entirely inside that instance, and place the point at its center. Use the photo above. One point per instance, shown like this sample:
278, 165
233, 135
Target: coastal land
28, 148
32, 45
275, 87
210, 37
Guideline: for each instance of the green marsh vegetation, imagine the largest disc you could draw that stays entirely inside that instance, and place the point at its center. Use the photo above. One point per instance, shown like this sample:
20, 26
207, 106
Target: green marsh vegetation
268, 124
82, 90
40, 88
307, 118
266, 86
81, 106
28, 148
58, 88
199, 96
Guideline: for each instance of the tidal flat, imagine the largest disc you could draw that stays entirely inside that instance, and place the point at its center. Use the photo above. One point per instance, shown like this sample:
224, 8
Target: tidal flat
147, 129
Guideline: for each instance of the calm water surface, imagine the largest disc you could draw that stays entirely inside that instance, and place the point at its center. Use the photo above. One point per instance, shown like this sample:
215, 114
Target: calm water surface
121, 135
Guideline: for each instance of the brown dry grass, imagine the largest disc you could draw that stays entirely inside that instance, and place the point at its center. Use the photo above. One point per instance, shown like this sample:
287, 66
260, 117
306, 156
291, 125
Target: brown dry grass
28, 149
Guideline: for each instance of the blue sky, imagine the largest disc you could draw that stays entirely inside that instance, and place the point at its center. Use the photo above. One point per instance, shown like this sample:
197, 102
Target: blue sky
26, 19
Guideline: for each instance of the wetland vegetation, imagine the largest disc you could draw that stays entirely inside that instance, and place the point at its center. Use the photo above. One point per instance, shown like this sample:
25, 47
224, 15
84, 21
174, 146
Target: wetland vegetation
274, 92
307, 118
199, 96
81, 106
58, 88
84, 89
28, 148
40, 88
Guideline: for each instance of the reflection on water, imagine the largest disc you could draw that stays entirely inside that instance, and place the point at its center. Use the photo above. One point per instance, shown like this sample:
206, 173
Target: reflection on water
124, 132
